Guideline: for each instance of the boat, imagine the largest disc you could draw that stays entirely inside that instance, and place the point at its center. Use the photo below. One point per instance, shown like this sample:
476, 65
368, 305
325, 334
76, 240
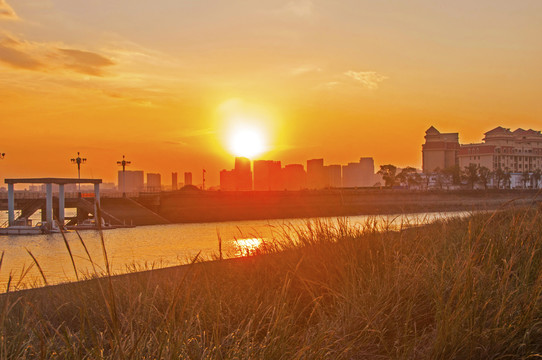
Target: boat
24, 226
91, 224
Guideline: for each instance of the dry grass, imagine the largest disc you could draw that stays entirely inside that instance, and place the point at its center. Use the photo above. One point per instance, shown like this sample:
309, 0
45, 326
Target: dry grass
463, 288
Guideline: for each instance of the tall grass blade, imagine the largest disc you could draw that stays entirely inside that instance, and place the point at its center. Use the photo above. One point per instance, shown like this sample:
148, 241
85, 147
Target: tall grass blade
69, 251
37, 265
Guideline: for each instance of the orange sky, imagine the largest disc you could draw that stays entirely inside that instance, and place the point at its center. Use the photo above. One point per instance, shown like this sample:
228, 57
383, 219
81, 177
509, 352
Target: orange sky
163, 82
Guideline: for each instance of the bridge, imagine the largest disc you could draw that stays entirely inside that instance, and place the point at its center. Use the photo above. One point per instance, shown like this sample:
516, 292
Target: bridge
30, 207
115, 210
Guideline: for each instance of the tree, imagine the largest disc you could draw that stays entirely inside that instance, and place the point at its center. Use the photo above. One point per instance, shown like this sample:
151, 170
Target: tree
454, 173
499, 176
525, 176
388, 173
535, 177
407, 176
506, 178
484, 175
470, 174
439, 177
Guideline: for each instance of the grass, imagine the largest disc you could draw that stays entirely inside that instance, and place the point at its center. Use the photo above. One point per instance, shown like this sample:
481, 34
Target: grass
459, 288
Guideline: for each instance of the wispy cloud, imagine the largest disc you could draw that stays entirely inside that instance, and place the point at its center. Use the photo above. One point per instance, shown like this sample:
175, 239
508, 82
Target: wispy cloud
7, 12
369, 79
85, 62
49, 57
197, 133
328, 85
305, 69
12, 53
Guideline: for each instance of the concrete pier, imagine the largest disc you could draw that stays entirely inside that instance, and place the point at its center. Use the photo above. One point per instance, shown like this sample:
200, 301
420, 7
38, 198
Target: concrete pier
48, 214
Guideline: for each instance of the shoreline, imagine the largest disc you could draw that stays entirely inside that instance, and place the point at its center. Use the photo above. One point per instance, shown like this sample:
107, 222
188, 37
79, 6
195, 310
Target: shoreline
176, 270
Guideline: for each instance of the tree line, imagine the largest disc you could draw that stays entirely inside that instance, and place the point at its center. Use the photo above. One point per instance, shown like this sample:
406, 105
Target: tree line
472, 175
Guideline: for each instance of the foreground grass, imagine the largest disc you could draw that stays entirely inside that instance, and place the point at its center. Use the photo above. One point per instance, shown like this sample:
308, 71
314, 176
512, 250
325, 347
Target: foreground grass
467, 288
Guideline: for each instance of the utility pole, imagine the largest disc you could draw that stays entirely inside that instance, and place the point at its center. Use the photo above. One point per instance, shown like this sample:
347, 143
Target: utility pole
203, 183
78, 160
123, 163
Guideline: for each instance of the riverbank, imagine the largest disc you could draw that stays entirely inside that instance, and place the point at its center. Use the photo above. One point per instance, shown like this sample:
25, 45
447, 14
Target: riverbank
460, 288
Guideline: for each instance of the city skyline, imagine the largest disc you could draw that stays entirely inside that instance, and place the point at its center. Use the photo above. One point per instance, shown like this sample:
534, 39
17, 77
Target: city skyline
313, 79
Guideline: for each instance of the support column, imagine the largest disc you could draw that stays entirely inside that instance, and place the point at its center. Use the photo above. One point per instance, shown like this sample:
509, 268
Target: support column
97, 193
97, 203
49, 203
61, 204
11, 204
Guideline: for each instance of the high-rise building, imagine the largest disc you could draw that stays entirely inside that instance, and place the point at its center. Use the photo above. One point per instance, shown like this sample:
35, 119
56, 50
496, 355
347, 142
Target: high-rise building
154, 182
294, 177
227, 180
440, 150
333, 176
187, 178
360, 174
267, 175
240, 178
131, 180
243, 174
174, 181
316, 174
352, 175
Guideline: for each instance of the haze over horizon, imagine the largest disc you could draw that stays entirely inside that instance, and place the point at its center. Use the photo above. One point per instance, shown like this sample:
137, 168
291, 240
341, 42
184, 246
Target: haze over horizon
176, 85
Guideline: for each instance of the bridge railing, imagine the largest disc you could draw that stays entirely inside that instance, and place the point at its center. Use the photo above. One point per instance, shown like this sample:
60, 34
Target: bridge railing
68, 195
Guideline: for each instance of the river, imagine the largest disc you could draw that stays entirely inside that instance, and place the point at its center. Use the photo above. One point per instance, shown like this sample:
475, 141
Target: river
156, 246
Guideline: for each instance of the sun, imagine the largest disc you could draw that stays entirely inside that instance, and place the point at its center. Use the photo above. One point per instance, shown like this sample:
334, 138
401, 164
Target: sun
246, 129
247, 141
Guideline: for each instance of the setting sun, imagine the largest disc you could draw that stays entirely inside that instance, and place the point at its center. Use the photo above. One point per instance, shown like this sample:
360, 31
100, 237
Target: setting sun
247, 141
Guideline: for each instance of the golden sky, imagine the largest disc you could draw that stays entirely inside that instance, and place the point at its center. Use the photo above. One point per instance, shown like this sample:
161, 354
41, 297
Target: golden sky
164, 82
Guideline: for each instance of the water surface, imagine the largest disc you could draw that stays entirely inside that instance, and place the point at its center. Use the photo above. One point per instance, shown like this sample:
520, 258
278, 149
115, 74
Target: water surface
145, 247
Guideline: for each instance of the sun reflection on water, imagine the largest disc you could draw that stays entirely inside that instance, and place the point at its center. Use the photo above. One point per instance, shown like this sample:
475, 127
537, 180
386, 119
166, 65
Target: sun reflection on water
247, 247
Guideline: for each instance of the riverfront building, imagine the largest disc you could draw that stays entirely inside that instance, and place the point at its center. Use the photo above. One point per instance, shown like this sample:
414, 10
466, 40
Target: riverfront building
516, 151
440, 150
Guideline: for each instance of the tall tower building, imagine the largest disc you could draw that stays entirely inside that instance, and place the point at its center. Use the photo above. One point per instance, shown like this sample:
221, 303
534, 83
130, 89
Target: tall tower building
243, 174
173, 181
316, 174
440, 150
187, 178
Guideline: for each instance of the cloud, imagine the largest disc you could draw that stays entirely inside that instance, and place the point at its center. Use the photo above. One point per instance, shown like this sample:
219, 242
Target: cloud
369, 79
305, 69
49, 57
11, 55
299, 8
6, 11
85, 62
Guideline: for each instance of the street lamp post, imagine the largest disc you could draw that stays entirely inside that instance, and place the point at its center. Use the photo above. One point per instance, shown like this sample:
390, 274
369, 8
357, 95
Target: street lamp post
123, 163
79, 160
203, 179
